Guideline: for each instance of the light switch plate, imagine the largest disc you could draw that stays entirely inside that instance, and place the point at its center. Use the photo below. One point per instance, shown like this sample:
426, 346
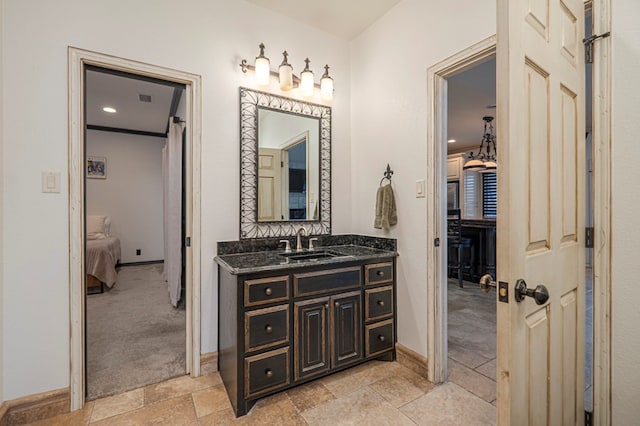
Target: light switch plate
420, 188
51, 182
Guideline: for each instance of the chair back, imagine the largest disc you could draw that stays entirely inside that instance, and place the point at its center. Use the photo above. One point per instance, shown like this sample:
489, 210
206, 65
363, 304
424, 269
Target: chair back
454, 223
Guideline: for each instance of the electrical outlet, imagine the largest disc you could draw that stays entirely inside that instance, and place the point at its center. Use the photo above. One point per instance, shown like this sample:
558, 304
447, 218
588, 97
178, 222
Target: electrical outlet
138, 252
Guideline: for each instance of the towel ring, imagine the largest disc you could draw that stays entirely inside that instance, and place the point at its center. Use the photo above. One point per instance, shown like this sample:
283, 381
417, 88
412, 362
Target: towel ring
387, 175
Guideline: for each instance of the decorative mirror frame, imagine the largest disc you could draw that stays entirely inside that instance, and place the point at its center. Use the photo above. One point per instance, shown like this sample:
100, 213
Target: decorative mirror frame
250, 101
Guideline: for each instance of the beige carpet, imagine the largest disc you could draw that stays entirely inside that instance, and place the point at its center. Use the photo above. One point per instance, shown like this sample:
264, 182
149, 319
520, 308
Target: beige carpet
134, 336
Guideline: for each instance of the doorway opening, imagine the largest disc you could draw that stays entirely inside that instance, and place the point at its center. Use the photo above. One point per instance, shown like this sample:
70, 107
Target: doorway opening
471, 206
134, 206
78, 219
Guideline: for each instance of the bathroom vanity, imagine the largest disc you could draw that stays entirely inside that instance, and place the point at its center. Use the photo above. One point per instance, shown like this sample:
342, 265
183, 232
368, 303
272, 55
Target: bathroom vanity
288, 318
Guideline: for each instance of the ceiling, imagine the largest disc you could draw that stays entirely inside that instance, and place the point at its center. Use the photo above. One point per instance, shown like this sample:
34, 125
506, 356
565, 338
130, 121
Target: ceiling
471, 95
123, 93
342, 18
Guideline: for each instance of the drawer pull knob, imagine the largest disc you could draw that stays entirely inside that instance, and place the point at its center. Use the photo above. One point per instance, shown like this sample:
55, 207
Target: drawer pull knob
380, 302
268, 329
381, 338
268, 373
337, 304
380, 273
268, 291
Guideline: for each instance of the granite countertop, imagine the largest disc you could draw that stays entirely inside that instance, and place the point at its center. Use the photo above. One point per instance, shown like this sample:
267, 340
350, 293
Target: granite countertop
273, 260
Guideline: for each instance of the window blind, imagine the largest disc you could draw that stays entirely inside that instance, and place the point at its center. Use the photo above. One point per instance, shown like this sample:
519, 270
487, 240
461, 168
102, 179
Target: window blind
489, 195
471, 194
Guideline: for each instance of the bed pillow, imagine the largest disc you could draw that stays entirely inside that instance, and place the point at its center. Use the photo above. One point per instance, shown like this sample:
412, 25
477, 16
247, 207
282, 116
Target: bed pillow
95, 227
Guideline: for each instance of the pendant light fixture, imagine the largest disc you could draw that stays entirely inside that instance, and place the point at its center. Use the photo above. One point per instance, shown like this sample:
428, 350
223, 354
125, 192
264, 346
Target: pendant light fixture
485, 158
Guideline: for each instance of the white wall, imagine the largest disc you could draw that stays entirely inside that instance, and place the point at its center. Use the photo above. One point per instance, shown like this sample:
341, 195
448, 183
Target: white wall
1, 197
132, 193
205, 37
625, 205
389, 65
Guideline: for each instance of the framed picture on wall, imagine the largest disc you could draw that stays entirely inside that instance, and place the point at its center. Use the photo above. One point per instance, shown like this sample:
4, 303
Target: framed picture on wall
97, 167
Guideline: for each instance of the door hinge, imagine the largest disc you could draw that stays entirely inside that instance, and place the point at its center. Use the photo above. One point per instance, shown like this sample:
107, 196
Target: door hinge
588, 237
588, 418
588, 46
436, 242
187, 242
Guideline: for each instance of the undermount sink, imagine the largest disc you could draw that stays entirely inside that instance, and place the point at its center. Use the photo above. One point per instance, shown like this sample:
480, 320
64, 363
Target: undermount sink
309, 255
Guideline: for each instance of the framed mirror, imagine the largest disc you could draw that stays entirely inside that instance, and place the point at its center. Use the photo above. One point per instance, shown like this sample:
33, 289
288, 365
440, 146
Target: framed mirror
285, 166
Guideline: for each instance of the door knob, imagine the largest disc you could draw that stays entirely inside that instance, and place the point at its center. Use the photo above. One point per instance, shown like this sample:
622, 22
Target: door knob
540, 294
486, 282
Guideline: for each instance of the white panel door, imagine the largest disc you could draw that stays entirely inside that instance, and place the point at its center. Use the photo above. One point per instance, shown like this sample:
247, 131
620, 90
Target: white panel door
540, 76
269, 185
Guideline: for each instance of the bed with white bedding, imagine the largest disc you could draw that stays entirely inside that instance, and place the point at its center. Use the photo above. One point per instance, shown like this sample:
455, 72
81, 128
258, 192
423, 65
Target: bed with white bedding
102, 257
102, 253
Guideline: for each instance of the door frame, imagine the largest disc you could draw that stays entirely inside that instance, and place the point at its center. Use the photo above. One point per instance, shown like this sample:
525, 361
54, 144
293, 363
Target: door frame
78, 58
437, 76
602, 284
436, 214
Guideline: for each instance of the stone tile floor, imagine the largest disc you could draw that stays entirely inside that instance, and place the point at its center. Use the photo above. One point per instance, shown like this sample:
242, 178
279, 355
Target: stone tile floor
375, 393
471, 330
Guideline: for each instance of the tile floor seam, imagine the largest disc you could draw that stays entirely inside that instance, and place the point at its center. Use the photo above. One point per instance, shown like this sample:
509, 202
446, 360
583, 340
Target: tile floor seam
482, 374
470, 391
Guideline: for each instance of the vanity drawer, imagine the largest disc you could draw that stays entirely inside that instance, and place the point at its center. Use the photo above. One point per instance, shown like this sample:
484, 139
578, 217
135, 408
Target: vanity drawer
378, 303
266, 290
266, 372
266, 327
378, 273
329, 281
378, 338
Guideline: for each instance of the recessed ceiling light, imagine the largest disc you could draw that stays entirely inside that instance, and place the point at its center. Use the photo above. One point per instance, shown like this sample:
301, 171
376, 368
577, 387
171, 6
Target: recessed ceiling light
451, 141
109, 109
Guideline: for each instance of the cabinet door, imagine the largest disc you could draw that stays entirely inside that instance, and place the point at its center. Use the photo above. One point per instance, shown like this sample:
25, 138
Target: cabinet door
346, 329
311, 323
453, 168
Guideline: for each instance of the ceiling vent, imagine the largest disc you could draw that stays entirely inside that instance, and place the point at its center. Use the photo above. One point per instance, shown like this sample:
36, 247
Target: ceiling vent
144, 98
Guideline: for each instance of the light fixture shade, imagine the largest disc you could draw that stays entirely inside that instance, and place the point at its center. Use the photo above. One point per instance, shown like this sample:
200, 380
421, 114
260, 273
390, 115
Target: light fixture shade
262, 68
474, 165
286, 77
490, 165
306, 80
262, 71
326, 85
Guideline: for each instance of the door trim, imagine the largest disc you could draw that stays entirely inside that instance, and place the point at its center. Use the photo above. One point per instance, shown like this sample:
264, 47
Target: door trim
78, 58
602, 308
436, 211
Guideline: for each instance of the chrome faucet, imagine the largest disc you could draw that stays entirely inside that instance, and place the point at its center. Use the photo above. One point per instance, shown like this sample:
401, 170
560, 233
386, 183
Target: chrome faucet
300, 232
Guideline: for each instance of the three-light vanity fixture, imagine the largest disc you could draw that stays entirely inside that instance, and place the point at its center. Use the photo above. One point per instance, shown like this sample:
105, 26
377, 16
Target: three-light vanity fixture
288, 80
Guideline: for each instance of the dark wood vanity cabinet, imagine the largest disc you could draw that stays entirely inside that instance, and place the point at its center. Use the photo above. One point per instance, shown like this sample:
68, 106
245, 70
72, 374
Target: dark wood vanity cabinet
279, 330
